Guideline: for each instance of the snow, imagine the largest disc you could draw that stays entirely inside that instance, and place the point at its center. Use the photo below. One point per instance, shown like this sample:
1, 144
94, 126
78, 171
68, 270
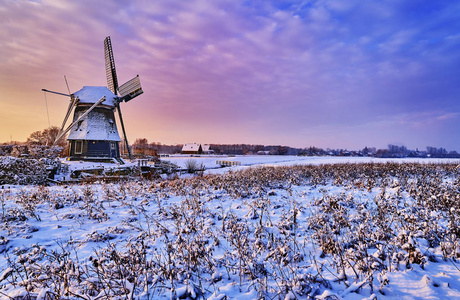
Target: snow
209, 161
191, 147
99, 124
92, 94
91, 222
96, 125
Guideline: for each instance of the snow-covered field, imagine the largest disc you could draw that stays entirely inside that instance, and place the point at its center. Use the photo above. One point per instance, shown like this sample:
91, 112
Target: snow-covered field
209, 162
284, 228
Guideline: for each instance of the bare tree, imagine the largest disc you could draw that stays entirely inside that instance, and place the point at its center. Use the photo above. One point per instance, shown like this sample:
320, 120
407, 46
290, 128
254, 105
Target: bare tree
46, 137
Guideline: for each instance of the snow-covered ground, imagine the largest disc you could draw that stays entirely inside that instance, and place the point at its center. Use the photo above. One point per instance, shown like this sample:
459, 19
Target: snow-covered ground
209, 162
335, 231
211, 166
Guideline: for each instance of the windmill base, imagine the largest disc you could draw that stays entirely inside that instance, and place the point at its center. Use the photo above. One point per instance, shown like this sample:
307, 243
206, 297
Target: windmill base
99, 159
94, 150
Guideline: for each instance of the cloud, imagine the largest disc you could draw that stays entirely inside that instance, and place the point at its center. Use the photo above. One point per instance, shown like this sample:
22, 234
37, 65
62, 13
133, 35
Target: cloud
276, 68
448, 116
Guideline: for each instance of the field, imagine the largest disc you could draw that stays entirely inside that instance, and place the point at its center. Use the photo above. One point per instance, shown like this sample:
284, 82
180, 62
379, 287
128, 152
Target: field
288, 230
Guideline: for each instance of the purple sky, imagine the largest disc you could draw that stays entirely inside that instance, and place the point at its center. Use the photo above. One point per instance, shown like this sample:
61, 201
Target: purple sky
327, 73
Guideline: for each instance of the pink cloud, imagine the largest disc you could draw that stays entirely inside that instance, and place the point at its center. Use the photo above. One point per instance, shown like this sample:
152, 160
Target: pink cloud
271, 69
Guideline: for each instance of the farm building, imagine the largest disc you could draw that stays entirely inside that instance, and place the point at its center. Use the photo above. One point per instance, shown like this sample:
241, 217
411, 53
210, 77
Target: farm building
206, 149
192, 148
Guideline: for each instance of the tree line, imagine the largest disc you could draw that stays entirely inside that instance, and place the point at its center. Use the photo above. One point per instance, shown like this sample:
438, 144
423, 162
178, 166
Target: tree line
42, 144
142, 146
38, 145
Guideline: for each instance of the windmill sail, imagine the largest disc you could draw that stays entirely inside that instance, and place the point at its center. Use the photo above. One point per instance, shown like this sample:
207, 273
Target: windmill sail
124, 131
130, 89
112, 81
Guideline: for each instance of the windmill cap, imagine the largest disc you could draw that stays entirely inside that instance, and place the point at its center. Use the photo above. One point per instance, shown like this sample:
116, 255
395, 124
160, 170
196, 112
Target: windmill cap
91, 94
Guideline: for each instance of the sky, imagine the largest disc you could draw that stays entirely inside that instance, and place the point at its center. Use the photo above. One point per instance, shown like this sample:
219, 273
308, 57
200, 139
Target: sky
325, 73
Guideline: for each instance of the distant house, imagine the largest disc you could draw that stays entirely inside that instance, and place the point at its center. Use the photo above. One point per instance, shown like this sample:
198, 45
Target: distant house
206, 149
192, 148
263, 152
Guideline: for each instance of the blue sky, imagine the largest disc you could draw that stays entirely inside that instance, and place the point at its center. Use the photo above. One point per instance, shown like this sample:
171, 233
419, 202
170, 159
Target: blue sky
338, 74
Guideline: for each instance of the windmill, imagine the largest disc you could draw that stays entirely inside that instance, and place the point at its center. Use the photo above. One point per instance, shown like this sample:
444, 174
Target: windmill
93, 134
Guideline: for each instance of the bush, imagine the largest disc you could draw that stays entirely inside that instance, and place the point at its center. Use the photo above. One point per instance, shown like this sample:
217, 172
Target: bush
22, 171
191, 165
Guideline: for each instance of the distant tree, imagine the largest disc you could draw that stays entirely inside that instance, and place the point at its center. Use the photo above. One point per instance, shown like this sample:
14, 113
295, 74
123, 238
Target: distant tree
141, 142
382, 153
35, 138
51, 134
365, 151
283, 150
47, 137
140, 146
258, 148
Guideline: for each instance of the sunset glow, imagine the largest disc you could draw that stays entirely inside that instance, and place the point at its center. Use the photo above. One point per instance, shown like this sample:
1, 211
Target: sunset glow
339, 74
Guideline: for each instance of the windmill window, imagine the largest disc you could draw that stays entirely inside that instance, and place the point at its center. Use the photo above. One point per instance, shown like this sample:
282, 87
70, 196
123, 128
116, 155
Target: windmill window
78, 147
112, 146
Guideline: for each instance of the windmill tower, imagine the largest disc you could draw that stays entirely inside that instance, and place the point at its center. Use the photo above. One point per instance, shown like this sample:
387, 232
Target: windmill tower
93, 134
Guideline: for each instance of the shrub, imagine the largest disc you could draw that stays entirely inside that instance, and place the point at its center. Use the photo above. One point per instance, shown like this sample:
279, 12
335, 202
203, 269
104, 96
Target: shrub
22, 171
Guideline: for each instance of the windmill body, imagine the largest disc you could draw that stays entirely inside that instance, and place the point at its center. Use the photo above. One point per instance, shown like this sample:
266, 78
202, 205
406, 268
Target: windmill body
96, 135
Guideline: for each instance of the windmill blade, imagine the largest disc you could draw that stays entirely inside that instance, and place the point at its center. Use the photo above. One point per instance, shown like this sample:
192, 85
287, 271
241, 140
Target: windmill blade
73, 101
124, 131
111, 73
130, 89
67, 84
57, 93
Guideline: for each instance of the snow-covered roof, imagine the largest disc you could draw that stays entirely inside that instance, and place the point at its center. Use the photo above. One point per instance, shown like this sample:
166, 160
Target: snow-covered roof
91, 94
191, 147
205, 147
99, 125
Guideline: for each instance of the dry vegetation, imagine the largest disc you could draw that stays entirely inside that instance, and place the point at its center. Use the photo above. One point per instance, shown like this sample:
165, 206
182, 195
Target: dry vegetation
272, 232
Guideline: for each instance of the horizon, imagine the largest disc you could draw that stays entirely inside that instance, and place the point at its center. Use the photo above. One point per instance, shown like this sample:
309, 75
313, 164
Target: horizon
327, 74
424, 149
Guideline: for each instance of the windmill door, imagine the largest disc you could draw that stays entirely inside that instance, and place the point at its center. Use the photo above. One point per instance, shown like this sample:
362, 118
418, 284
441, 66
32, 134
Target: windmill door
113, 150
